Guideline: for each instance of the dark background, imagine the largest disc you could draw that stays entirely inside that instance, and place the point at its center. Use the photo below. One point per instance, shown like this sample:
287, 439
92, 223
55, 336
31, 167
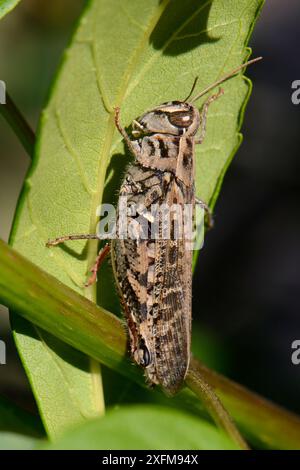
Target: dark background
247, 283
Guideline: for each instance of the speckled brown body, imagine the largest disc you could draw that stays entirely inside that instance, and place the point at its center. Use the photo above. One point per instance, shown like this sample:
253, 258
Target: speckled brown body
154, 275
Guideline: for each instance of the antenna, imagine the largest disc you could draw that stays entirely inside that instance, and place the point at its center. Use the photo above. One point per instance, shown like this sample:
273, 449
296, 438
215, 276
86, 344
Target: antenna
192, 89
223, 79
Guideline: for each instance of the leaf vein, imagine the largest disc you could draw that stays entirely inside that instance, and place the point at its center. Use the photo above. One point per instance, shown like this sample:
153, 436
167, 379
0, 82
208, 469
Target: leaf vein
100, 86
207, 30
131, 18
71, 150
155, 55
74, 278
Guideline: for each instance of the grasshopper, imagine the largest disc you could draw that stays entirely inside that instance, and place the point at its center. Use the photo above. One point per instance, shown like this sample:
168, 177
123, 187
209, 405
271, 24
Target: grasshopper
154, 274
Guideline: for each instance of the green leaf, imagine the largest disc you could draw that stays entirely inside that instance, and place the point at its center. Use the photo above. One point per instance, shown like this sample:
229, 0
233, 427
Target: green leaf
145, 427
15, 420
6, 6
56, 308
66, 389
136, 55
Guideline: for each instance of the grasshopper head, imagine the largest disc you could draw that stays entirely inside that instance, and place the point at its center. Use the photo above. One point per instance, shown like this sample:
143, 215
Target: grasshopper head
173, 118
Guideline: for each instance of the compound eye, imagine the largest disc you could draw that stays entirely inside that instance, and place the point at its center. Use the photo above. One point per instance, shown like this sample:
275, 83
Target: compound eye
145, 357
181, 119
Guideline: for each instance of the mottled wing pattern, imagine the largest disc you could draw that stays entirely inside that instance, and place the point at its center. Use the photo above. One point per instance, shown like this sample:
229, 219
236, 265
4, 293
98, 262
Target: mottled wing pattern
172, 305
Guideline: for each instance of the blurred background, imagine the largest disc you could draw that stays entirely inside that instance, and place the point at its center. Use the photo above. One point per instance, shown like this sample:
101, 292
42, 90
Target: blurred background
247, 307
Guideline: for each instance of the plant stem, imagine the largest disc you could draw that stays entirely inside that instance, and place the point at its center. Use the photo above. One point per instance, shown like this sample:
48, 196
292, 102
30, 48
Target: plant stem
56, 308
205, 392
259, 419
18, 124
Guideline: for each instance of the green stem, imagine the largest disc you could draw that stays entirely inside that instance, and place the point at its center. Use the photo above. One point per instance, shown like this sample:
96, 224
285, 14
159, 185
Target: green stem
18, 124
51, 305
214, 406
259, 419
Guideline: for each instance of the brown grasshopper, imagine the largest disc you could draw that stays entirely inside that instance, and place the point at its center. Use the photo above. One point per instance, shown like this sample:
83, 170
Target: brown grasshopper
154, 274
